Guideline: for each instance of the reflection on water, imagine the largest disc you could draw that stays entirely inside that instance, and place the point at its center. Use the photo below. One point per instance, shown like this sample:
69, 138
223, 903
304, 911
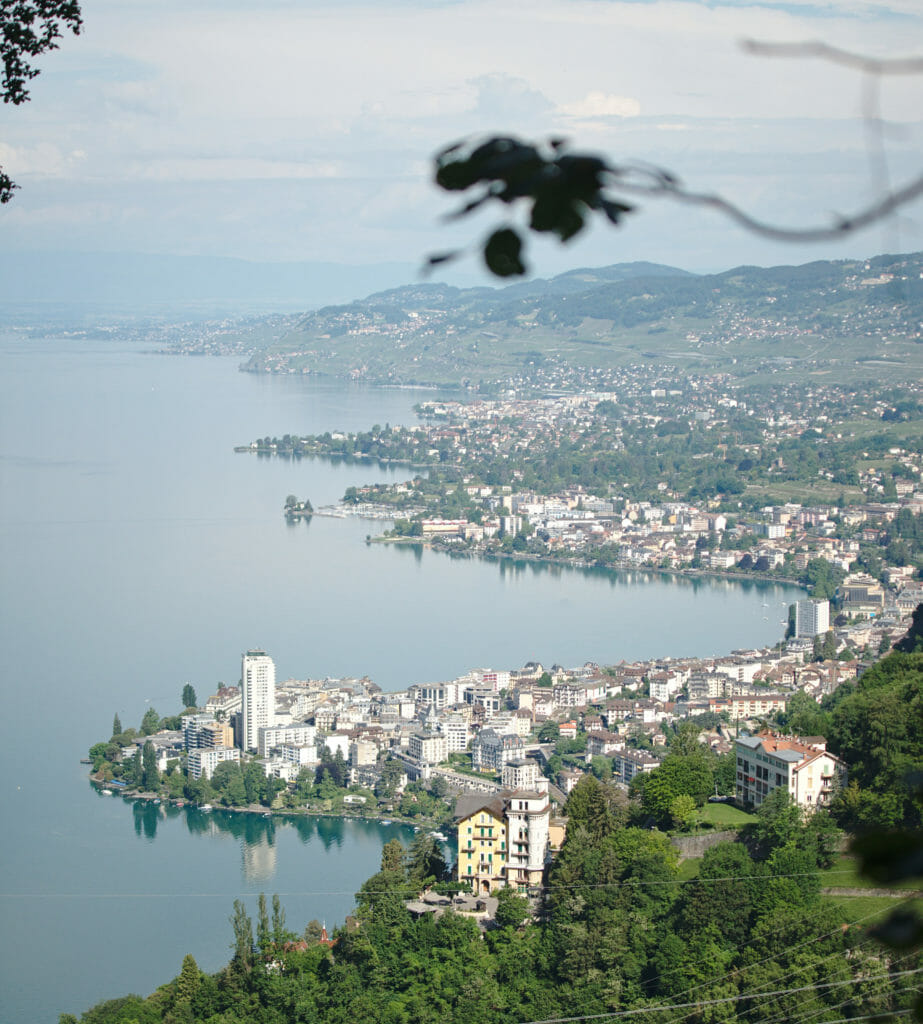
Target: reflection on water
146, 814
259, 860
256, 832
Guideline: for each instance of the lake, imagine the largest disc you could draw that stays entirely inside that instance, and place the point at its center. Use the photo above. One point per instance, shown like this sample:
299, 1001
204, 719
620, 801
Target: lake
139, 552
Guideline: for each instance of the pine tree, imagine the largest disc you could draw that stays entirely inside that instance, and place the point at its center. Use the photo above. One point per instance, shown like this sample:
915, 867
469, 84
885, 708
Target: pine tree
116, 725
188, 982
263, 935
243, 936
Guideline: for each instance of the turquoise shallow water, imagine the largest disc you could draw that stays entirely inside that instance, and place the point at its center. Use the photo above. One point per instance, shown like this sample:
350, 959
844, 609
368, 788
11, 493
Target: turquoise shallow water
139, 552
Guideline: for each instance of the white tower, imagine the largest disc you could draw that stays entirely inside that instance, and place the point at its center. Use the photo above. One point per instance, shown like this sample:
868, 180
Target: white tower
258, 694
812, 617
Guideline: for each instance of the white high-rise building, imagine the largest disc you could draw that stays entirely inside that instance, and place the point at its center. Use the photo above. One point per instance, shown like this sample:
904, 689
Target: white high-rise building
812, 617
258, 694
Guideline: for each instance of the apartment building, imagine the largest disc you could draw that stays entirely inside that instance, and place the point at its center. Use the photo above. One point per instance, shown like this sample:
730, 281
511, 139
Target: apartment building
802, 767
502, 840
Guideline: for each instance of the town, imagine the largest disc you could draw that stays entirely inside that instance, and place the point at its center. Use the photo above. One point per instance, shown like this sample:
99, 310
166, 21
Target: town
505, 748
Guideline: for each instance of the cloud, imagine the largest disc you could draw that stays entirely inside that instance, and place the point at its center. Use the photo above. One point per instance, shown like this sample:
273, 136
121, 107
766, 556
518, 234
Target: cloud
602, 104
502, 97
325, 114
44, 159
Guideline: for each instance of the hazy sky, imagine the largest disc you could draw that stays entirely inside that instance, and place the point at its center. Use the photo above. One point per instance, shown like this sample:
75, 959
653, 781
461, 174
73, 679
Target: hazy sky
302, 130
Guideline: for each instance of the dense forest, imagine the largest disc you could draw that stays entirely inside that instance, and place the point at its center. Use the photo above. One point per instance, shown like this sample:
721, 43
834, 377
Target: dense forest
621, 927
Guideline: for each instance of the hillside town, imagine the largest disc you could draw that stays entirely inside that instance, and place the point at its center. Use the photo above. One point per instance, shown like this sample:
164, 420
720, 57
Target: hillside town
508, 746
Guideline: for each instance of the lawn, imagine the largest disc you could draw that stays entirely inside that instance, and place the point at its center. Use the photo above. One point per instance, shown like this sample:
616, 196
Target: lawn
844, 874
862, 909
688, 868
724, 815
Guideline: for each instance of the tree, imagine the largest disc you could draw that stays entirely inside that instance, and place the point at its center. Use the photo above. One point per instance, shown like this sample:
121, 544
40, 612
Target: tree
591, 805
512, 909
29, 29
116, 725
150, 723
425, 862
187, 985
779, 821
263, 932
392, 855
280, 935
682, 811
150, 776
243, 937
391, 775
689, 775
189, 696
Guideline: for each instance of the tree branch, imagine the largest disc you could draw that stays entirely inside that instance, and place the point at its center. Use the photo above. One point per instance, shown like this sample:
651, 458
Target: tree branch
824, 51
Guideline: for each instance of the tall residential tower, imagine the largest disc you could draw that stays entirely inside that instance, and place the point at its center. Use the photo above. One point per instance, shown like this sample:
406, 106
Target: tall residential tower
258, 694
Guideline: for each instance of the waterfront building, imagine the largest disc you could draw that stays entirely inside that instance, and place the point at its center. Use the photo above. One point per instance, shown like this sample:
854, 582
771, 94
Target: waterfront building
258, 693
203, 762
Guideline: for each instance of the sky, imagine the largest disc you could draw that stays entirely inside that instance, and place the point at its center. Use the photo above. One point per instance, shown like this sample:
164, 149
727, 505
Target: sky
284, 130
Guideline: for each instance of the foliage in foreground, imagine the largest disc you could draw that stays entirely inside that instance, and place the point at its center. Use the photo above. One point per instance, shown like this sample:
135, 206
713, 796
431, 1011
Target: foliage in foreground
619, 930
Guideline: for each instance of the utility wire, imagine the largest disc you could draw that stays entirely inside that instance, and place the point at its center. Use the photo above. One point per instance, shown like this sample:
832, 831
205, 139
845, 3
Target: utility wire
618, 1014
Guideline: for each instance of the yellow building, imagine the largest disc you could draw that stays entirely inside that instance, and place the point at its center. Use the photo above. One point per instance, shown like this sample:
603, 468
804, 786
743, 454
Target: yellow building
483, 846
487, 827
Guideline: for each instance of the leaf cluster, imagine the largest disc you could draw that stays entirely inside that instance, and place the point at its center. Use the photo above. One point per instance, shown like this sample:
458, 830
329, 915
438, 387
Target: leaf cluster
560, 189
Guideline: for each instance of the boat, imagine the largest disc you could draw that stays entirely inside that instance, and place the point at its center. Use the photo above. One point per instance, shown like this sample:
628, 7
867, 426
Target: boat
386, 821
107, 792
205, 807
439, 836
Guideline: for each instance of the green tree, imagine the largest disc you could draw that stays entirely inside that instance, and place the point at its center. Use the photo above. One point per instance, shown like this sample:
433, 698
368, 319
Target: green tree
391, 775
725, 773
263, 930
779, 822
243, 937
828, 647
116, 725
392, 855
682, 811
279, 935
689, 775
187, 984
425, 862
150, 722
189, 696
512, 909
877, 728
150, 776
595, 807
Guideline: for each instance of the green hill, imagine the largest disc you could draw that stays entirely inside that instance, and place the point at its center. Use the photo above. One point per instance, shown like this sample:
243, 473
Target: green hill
832, 318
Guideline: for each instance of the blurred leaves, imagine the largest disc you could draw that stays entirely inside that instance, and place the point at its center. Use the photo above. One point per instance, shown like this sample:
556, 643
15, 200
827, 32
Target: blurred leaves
560, 189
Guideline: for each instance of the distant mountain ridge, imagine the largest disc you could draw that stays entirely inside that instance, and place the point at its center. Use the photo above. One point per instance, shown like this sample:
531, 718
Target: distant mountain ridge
600, 318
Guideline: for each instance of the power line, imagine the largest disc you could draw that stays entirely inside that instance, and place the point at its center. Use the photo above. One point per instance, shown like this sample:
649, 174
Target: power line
618, 1014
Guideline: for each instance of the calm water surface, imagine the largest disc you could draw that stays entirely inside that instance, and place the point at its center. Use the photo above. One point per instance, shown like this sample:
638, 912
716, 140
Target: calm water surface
139, 552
